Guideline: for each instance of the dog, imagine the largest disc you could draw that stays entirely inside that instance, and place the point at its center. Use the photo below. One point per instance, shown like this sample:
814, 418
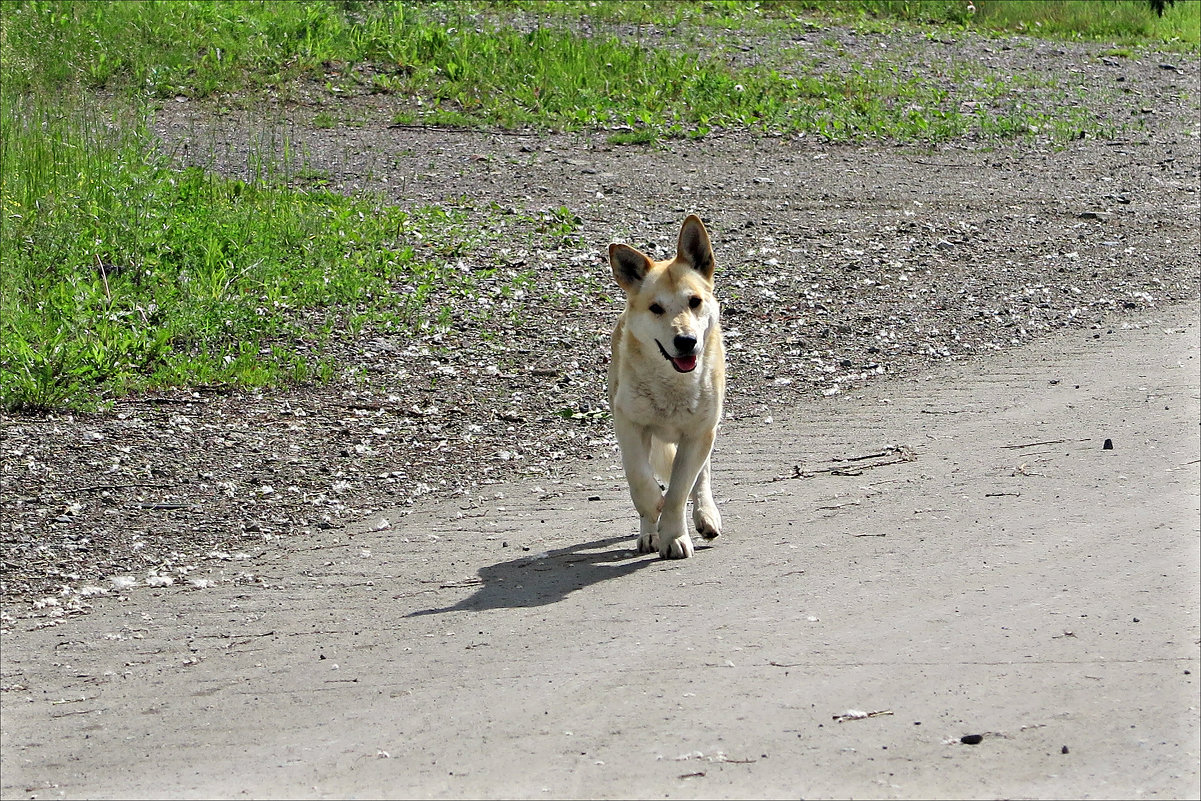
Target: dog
667, 384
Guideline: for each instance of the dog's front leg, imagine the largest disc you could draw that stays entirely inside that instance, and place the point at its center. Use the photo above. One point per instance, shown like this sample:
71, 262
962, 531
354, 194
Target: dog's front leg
635, 442
691, 455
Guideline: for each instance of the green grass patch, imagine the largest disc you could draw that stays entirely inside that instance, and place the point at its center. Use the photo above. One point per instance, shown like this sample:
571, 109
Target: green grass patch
461, 65
1119, 21
1126, 21
644, 136
120, 273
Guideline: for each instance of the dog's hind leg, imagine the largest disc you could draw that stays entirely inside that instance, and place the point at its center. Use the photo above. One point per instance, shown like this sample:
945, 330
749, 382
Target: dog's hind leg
663, 456
705, 516
636, 446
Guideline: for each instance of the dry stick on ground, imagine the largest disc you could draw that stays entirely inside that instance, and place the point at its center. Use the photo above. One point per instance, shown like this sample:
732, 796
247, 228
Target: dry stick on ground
76, 712
1032, 444
853, 715
838, 506
895, 450
903, 454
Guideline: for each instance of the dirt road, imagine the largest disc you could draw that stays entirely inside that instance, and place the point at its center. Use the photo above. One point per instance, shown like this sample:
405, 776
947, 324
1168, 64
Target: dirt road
1001, 573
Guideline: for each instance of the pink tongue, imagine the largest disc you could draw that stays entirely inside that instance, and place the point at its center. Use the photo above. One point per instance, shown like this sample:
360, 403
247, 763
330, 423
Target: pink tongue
685, 364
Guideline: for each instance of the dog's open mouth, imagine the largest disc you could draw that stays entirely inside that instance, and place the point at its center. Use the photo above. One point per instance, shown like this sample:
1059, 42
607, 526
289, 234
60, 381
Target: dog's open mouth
681, 364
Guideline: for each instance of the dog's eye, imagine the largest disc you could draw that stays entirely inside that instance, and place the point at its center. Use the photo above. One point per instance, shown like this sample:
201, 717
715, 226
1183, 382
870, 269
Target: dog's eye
694, 302
656, 309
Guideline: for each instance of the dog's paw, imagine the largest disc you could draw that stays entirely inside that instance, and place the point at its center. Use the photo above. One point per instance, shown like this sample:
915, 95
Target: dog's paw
648, 537
678, 548
708, 523
674, 542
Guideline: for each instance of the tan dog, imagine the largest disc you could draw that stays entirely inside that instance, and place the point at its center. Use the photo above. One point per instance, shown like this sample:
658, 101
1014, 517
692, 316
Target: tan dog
667, 382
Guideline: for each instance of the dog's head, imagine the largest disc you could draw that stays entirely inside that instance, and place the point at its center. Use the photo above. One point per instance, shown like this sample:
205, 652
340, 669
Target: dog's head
670, 304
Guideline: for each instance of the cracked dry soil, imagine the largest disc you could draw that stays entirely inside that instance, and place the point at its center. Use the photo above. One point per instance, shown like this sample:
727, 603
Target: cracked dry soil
838, 265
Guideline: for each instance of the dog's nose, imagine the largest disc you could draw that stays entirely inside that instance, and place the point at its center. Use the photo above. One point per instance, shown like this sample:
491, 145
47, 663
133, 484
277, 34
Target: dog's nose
685, 344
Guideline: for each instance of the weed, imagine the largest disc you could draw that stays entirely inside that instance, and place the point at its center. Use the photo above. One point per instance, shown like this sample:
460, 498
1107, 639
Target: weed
643, 136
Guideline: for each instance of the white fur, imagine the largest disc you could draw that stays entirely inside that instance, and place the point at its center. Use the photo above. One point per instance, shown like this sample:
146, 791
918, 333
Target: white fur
666, 420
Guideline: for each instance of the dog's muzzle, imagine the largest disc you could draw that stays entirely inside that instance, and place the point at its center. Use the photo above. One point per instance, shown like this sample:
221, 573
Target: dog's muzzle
685, 345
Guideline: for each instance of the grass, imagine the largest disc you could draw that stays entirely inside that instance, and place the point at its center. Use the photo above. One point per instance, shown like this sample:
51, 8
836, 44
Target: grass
1122, 21
643, 136
1125, 21
447, 65
121, 272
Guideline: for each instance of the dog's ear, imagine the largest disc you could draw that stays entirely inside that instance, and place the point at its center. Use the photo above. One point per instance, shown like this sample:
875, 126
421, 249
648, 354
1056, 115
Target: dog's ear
694, 246
629, 265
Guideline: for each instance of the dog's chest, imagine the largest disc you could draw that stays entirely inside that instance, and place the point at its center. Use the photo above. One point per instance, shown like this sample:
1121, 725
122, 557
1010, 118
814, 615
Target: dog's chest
668, 406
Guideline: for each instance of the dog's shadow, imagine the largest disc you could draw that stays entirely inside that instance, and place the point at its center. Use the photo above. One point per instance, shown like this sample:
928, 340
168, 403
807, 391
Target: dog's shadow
537, 579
